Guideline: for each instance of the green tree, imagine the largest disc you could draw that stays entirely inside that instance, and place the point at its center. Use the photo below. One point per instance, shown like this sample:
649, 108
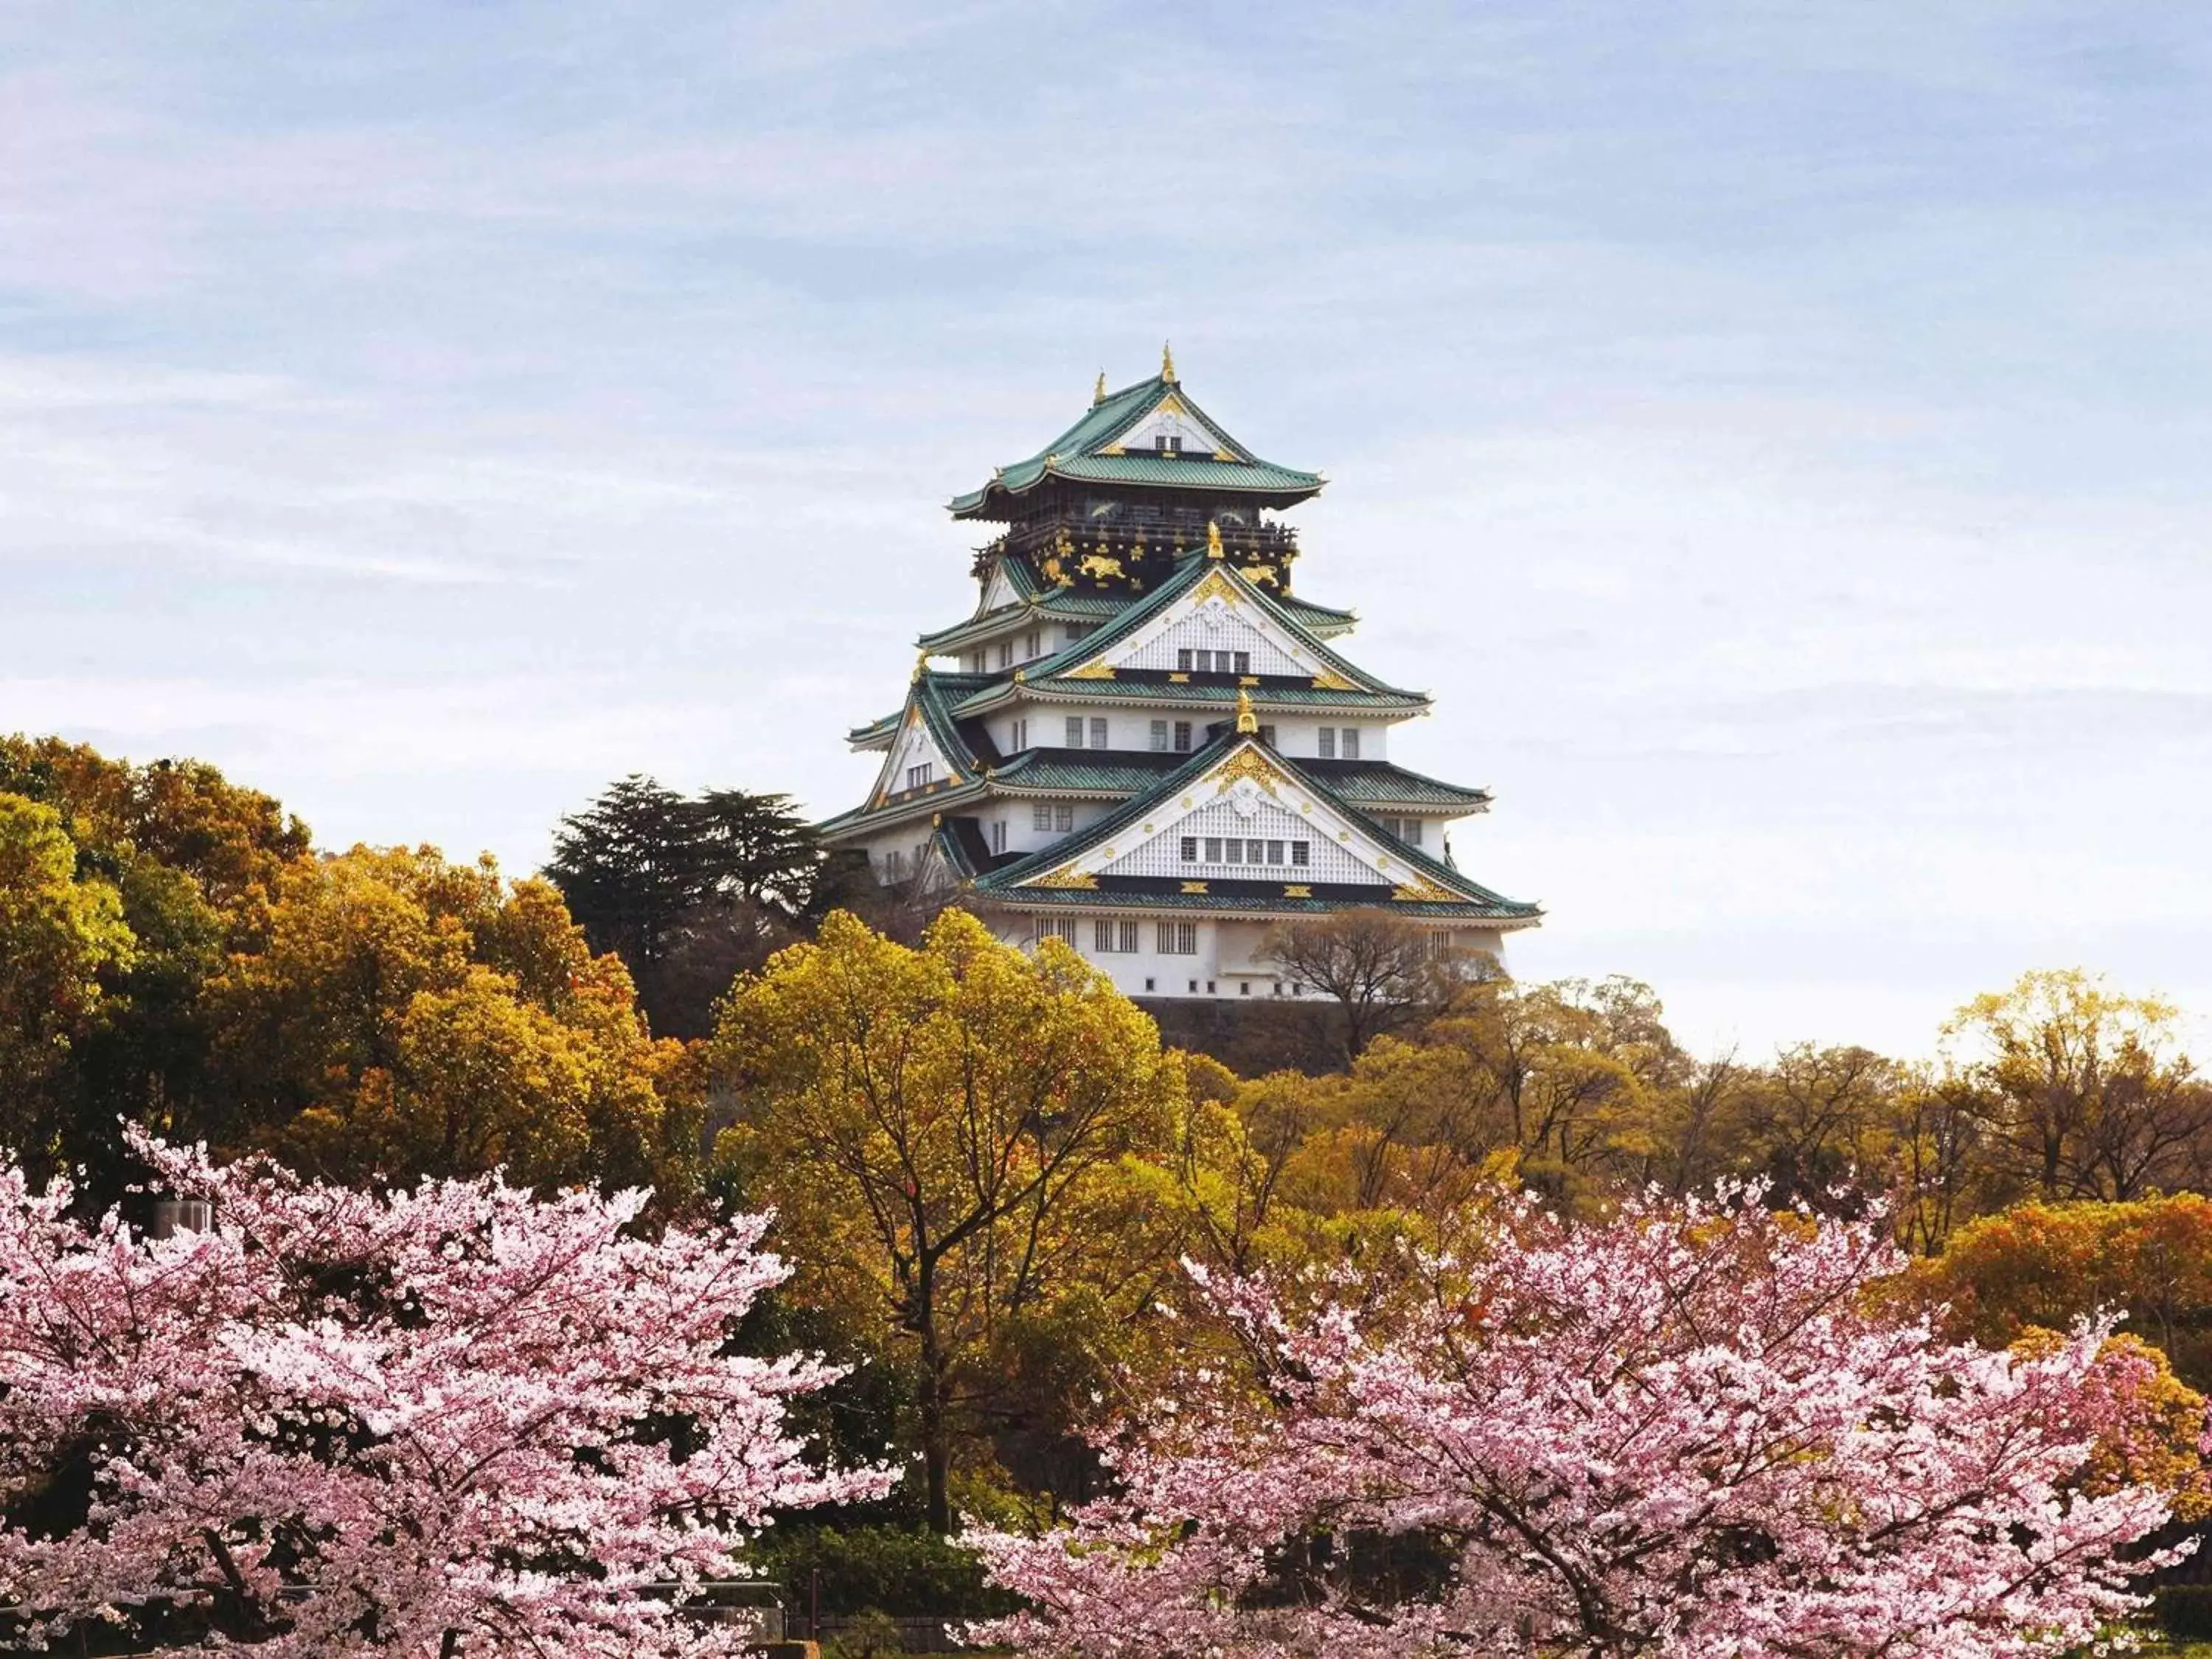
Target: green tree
191, 857
689, 892
940, 1130
58, 933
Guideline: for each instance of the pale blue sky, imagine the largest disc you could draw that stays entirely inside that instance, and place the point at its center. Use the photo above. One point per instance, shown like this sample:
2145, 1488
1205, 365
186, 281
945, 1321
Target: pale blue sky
1775, 433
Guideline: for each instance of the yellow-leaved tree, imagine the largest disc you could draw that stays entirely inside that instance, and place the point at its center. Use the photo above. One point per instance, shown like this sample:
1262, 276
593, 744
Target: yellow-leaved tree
390, 1013
943, 1131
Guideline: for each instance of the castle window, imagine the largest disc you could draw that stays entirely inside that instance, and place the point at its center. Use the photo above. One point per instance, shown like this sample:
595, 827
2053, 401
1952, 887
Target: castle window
917, 776
1267, 735
1159, 736
1255, 852
1327, 747
1055, 927
1243, 661
1041, 816
1183, 662
1118, 938
1213, 849
1063, 816
1035, 643
1005, 653
1235, 850
1190, 849
997, 834
1018, 732
1178, 938
1351, 743
1300, 852
1274, 852
1182, 737
1098, 734
1075, 731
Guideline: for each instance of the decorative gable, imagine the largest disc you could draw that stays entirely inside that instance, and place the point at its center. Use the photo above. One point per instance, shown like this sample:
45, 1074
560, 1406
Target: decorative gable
1169, 425
998, 592
1251, 818
915, 746
1223, 618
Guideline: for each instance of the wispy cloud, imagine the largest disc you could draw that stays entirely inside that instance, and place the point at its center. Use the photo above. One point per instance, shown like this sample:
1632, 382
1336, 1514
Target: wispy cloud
1776, 435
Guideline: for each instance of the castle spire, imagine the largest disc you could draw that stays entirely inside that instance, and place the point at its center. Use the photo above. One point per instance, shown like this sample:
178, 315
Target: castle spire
1167, 361
1098, 391
1248, 723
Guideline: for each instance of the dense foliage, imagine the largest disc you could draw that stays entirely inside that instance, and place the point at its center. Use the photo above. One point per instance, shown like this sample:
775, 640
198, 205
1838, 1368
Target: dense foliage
1683, 1430
986, 1168
454, 1418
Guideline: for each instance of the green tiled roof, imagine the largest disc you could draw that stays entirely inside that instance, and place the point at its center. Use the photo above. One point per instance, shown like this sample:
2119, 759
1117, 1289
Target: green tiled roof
944, 691
1076, 453
1066, 605
1265, 697
1004, 882
1059, 605
1357, 784
1044, 672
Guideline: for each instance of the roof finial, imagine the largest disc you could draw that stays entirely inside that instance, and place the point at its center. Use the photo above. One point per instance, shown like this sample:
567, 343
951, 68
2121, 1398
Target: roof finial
920, 667
1098, 391
1248, 723
1213, 539
1167, 361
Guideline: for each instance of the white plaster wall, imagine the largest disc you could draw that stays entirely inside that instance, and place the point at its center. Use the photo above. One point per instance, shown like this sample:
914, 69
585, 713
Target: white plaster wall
1224, 629
1270, 821
1230, 956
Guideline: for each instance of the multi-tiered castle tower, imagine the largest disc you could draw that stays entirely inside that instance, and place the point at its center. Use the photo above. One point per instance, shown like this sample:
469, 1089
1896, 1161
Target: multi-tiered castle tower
1144, 742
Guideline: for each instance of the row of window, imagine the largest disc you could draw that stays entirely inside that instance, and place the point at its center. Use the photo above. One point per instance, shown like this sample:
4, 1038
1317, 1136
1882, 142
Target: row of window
1025, 648
1214, 662
1120, 937
918, 776
1237, 849
1406, 830
1051, 815
1168, 737
1174, 738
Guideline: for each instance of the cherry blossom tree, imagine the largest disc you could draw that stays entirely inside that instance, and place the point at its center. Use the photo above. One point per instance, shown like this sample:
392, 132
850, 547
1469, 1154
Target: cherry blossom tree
1685, 1430
454, 1420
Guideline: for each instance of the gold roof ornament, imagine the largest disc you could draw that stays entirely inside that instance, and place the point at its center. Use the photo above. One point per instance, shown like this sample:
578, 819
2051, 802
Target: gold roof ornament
1212, 539
920, 667
1098, 391
1248, 723
1167, 363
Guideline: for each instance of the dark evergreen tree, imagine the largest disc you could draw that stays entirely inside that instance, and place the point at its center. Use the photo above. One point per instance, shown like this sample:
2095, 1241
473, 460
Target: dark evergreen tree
689, 891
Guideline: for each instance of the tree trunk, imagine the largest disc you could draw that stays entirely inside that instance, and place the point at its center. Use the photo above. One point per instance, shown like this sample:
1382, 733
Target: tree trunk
936, 1450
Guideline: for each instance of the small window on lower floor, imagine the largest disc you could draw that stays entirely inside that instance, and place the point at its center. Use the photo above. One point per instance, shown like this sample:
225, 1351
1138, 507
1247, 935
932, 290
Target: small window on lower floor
1041, 816
1150, 984
1063, 818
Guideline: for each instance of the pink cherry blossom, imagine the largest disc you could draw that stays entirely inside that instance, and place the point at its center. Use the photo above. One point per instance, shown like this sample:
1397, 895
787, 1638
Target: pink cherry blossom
459, 1420
1687, 1430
